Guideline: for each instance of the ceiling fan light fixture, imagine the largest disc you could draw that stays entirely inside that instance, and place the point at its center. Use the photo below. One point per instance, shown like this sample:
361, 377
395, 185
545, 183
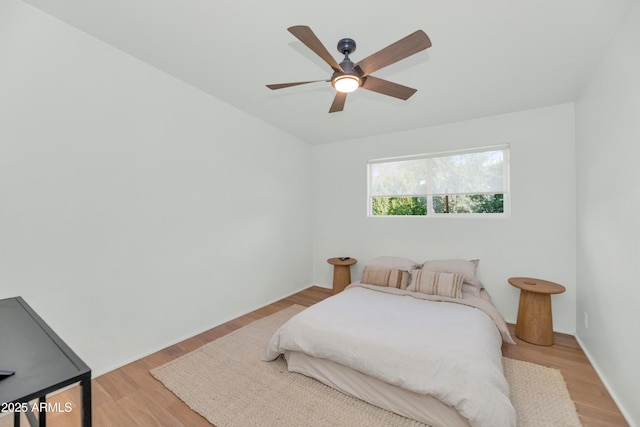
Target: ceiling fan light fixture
346, 83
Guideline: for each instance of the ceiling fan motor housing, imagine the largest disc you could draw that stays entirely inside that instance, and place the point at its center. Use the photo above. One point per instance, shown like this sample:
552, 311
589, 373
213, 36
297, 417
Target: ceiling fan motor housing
348, 72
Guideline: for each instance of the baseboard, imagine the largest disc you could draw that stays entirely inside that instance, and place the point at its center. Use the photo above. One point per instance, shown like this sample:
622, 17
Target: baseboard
607, 385
95, 374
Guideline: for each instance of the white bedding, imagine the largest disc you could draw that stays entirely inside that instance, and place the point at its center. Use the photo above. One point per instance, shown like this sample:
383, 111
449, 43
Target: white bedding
429, 345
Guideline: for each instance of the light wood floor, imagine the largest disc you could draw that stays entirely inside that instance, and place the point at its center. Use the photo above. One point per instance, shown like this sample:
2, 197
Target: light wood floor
130, 396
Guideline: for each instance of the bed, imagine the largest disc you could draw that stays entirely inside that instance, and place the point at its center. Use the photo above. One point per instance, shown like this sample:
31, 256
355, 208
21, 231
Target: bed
423, 341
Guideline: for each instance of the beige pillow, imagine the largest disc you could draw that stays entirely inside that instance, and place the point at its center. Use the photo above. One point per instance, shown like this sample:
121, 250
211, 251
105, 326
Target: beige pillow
436, 283
459, 266
381, 276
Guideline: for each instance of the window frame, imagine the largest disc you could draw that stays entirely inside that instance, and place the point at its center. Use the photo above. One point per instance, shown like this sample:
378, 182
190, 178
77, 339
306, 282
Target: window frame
506, 213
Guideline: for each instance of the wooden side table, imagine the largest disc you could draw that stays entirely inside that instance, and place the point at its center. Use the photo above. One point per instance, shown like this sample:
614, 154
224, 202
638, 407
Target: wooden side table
535, 322
341, 273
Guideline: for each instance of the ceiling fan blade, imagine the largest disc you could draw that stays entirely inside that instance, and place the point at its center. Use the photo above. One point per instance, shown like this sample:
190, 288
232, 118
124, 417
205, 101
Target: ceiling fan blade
283, 85
386, 87
395, 52
306, 36
338, 102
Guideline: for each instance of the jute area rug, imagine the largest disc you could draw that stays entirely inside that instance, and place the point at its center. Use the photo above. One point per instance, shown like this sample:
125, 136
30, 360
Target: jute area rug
226, 382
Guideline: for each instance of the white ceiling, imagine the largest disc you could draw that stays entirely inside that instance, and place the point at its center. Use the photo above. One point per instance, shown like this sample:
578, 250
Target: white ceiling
488, 56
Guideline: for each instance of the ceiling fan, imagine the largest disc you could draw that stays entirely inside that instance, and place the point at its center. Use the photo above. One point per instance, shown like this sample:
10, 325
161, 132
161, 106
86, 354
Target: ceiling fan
348, 76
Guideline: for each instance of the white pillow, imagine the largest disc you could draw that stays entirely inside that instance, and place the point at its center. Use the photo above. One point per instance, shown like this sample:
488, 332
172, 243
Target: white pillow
473, 290
393, 263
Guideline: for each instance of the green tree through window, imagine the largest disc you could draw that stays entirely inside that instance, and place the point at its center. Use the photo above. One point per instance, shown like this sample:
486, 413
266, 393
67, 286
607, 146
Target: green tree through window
399, 205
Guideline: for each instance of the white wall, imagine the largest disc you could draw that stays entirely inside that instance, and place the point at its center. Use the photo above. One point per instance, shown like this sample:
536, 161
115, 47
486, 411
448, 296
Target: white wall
135, 209
538, 239
608, 228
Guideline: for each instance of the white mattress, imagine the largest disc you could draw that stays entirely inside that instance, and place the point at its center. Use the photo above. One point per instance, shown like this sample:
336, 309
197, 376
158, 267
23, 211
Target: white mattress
423, 408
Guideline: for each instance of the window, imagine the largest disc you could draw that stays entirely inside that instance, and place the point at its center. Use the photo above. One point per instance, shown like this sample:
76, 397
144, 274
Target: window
462, 183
